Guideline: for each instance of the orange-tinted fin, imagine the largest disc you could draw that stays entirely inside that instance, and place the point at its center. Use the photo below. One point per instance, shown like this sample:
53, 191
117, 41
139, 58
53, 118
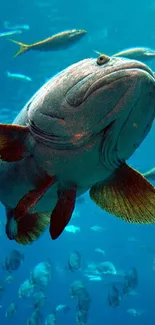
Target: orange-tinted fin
20, 221
62, 213
31, 227
27, 229
128, 196
22, 47
12, 142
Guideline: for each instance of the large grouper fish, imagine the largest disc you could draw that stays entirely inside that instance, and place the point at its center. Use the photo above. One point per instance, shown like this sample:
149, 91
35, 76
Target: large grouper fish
75, 134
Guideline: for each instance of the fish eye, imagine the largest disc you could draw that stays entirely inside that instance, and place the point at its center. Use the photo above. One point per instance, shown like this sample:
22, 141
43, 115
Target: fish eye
102, 59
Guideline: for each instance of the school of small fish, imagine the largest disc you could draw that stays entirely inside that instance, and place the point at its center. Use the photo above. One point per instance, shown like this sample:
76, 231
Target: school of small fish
35, 287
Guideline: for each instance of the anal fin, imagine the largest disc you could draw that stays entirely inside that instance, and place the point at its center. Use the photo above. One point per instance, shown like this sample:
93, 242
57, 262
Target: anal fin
62, 212
128, 196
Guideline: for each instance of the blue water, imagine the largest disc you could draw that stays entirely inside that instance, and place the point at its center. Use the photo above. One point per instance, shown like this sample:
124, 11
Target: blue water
112, 26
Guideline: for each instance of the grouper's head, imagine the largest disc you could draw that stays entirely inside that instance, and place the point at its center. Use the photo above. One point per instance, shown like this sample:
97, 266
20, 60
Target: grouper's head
109, 98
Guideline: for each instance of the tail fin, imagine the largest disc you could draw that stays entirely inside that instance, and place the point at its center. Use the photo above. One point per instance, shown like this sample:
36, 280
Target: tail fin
22, 47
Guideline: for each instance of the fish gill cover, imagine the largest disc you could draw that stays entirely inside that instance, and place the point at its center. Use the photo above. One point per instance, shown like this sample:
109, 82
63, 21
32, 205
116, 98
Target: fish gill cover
100, 269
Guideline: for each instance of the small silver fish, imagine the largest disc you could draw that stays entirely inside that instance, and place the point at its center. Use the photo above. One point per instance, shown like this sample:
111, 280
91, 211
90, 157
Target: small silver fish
136, 53
150, 174
15, 27
18, 76
9, 33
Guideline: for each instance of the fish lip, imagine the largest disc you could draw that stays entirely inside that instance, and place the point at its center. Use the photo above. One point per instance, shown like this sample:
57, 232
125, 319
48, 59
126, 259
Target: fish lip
53, 116
134, 65
35, 130
103, 81
138, 66
97, 84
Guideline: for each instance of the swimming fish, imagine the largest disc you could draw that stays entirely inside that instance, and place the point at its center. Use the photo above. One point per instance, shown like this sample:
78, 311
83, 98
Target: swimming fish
134, 312
51, 319
136, 53
9, 33
130, 281
106, 267
150, 174
74, 135
83, 306
58, 41
114, 297
74, 261
14, 27
11, 310
13, 261
18, 76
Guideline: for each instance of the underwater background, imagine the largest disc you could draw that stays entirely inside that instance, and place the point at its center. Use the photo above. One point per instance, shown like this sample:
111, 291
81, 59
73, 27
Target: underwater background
112, 26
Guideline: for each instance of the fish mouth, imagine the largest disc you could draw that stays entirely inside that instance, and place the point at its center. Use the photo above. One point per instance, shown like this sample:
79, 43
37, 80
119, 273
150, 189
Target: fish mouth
75, 32
59, 133
35, 130
117, 73
57, 141
104, 75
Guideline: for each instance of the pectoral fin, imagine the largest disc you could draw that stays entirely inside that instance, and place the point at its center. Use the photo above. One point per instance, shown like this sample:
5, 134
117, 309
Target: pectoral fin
128, 196
12, 142
63, 211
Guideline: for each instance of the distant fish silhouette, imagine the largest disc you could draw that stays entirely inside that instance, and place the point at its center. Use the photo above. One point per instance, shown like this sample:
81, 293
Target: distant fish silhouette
9, 33
15, 27
18, 76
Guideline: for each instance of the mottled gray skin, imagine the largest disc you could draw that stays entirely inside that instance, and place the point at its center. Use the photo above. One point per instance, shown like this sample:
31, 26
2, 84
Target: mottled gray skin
84, 123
